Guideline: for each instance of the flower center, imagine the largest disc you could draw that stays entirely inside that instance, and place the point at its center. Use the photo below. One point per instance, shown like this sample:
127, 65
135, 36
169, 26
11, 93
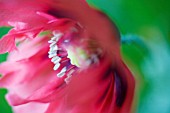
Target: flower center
69, 57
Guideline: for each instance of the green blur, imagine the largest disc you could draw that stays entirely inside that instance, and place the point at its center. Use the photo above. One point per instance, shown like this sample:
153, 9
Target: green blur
4, 107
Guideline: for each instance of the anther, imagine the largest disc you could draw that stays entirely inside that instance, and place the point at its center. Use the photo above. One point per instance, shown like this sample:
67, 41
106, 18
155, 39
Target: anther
54, 59
56, 66
52, 55
62, 72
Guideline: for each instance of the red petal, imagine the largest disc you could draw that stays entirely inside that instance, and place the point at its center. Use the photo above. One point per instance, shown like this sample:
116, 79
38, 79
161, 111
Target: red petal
23, 11
50, 92
92, 91
7, 44
129, 82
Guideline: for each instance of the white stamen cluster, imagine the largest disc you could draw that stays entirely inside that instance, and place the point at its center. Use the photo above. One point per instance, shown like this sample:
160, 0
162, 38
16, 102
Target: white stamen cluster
53, 53
58, 60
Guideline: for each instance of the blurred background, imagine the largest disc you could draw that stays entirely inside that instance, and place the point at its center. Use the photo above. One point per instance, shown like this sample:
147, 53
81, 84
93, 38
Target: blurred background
145, 30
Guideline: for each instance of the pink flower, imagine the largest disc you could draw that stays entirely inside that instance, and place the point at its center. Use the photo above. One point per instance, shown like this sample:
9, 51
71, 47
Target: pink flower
68, 59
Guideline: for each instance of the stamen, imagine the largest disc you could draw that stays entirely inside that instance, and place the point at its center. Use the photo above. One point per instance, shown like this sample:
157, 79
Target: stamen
67, 80
56, 66
54, 48
52, 55
57, 34
51, 52
57, 60
62, 72
51, 41
54, 38
52, 44
58, 55
54, 59
69, 75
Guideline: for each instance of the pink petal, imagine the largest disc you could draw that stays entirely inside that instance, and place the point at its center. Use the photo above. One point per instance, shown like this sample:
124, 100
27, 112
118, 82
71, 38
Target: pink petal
29, 48
47, 93
31, 107
22, 11
18, 25
7, 44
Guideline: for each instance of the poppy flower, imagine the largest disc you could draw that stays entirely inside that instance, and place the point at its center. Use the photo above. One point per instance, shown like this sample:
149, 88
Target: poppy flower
67, 59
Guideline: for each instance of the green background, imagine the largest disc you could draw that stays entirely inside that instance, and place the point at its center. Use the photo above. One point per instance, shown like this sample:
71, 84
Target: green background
145, 29
4, 107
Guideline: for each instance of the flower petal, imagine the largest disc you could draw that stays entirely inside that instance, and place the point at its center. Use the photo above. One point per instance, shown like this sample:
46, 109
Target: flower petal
7, 44
50, 92
31, 107
92, 91
13, 11
125, 89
